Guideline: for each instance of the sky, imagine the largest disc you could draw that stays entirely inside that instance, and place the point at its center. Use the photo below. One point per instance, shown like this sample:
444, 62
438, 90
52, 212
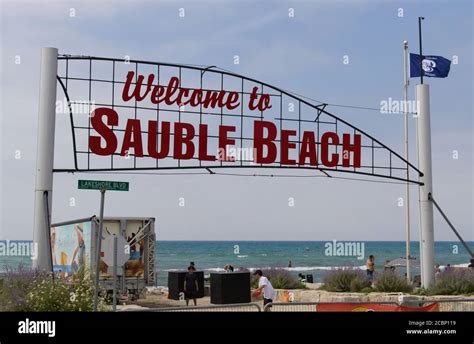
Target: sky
303, 53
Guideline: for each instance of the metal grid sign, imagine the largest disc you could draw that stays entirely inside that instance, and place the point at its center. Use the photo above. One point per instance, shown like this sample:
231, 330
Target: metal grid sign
138, 115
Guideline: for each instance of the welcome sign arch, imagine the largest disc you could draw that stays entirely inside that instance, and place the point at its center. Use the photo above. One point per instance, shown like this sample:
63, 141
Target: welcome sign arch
161, 116
157, 116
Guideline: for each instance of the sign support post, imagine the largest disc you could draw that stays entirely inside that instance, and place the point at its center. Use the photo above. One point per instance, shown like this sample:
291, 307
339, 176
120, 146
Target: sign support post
426, 206
425, 165
45, 158
114, 307
99, 244
102, 185
407, 186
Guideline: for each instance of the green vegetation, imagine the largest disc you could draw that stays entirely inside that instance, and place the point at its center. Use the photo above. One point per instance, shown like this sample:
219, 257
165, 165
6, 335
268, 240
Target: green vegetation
455, 282
25, 290
390, 282
280, 279
346, 280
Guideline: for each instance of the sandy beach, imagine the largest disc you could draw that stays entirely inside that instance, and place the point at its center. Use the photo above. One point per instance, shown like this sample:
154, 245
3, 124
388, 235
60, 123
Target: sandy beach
158, 298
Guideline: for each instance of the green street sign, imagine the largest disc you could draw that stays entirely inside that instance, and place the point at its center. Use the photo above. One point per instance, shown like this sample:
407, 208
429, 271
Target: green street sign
102, 185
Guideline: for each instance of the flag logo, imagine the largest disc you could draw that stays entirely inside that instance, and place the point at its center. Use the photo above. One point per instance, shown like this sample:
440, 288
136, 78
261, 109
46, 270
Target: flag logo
428, 65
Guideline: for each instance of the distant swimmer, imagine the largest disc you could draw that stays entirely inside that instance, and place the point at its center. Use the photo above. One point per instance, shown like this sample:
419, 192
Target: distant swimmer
290, 264
228, 268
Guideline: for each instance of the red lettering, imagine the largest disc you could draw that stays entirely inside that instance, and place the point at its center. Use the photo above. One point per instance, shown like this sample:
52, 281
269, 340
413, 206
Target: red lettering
164, 142
232, 100
325, 142
347, 147
224, 141
181, 139
260, 141
195, 99
136, 91
173, 94
182, 93
104, 131
133, 129
171, 90
286, 145
308, 149
253, 98
158, 91
213, 99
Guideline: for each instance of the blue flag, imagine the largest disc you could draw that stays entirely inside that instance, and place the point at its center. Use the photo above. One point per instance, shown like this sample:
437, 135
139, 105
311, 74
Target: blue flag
433, 66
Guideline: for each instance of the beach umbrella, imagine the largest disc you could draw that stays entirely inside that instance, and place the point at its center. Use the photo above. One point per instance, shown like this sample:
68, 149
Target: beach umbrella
402, 262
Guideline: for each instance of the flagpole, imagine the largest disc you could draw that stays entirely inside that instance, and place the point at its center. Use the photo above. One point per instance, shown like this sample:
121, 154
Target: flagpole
421, 48
418, 146
407, 191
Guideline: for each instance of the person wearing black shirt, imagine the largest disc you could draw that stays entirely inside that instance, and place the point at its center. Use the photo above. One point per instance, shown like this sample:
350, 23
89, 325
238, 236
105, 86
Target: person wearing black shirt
191, 285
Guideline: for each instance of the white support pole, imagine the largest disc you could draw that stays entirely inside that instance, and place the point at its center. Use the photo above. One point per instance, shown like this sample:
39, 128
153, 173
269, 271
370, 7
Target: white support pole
426, 206
407, 190
45, 157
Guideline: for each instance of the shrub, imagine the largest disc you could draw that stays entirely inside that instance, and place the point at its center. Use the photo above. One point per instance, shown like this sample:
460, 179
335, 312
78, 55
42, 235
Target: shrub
454, 282
360, 284
48, 295
35, 291
346, 280
16, 285
389, 281
280, 279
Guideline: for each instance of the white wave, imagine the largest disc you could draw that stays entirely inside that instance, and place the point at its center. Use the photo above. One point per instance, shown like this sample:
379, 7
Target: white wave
243, 256
294, 269
169, 270
311, 268
464, 265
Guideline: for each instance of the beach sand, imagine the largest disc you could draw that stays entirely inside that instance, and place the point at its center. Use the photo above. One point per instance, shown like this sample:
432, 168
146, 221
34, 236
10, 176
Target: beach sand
158, 298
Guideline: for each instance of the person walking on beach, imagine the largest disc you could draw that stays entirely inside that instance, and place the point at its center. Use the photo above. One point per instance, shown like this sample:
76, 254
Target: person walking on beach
191, 287
266, 286
370, 267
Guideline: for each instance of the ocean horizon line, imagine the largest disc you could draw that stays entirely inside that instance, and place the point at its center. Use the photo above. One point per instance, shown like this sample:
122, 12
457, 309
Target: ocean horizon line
265, 240
330, 240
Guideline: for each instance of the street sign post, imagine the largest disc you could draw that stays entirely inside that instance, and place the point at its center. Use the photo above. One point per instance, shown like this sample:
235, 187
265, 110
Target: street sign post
102, 185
